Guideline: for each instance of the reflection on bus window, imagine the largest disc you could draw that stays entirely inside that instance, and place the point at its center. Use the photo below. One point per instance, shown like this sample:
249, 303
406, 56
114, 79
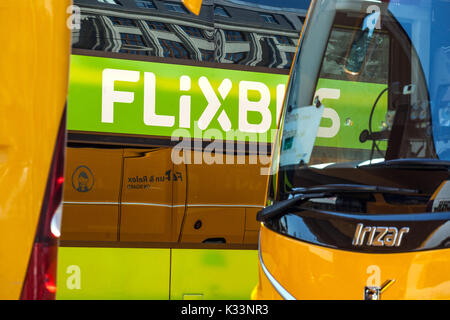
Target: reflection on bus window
232, 33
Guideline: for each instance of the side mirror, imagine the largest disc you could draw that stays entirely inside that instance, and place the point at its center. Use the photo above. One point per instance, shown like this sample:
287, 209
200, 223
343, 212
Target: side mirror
360, 45
193, 5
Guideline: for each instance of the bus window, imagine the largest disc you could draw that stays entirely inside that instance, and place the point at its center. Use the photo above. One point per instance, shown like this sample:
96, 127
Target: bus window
244, 34
155, 33
365, 94
343, 119
259, 38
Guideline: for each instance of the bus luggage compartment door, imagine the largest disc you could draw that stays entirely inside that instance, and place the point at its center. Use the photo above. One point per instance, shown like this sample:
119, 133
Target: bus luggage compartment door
91, 194
153, 198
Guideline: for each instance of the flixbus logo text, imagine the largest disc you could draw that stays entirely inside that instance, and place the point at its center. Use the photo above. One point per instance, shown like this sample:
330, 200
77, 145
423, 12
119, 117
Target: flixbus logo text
212, 110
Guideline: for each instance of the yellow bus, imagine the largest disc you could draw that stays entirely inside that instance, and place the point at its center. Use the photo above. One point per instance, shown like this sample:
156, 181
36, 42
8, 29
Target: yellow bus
32, 134
357, 205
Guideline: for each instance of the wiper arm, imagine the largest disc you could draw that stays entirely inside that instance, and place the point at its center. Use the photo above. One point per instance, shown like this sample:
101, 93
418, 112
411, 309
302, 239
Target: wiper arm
352, 188
425, 163
277, 208
304, 194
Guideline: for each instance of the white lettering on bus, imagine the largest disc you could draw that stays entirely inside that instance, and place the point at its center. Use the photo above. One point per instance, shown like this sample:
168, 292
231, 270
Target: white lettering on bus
110, 96
261, 106
212, 110
329, 132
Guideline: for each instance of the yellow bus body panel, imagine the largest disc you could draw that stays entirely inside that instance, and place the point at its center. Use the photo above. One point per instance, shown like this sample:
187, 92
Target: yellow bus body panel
128, 198
312, 272
34, 64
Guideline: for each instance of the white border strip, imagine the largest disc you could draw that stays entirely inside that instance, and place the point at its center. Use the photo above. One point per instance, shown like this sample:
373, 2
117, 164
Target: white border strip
282, 291
90, 202
225, 205
165, 205
152, 204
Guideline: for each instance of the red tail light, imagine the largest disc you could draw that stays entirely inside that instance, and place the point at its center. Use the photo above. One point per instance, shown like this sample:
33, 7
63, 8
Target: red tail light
40, 280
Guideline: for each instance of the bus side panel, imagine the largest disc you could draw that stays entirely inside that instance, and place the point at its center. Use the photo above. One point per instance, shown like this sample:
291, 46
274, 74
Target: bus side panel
251, 225
179, 199
213, 274
146, 205
212, 224
91, 194
223, 207
34, 66
113, 273
144, 273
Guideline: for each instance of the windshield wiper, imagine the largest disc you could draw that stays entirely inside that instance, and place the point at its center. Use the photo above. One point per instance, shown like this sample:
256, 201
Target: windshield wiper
300, 195
277, 208
426, 163
352, 188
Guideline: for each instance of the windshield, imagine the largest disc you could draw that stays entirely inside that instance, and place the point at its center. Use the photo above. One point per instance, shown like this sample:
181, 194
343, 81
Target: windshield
370, 85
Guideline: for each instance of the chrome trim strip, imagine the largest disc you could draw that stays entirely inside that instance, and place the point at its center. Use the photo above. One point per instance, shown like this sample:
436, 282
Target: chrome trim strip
282, 291
152, 204
225, 205
165, 205
89, 202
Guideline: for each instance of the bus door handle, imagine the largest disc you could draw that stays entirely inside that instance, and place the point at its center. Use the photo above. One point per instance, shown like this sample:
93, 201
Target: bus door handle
214, 240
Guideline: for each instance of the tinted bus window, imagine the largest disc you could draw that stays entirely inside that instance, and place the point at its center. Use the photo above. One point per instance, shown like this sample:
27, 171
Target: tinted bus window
249, 34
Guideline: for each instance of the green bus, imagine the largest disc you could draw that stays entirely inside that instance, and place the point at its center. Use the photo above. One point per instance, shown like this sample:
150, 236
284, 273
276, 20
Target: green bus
170, 118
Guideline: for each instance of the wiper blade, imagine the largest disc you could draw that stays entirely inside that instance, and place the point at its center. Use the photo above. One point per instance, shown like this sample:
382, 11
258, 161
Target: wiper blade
277, 208
304, 194
352, 188
425, 163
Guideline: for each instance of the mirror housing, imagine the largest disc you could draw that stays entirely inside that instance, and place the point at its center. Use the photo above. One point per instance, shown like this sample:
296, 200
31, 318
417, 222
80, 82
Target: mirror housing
193, 6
